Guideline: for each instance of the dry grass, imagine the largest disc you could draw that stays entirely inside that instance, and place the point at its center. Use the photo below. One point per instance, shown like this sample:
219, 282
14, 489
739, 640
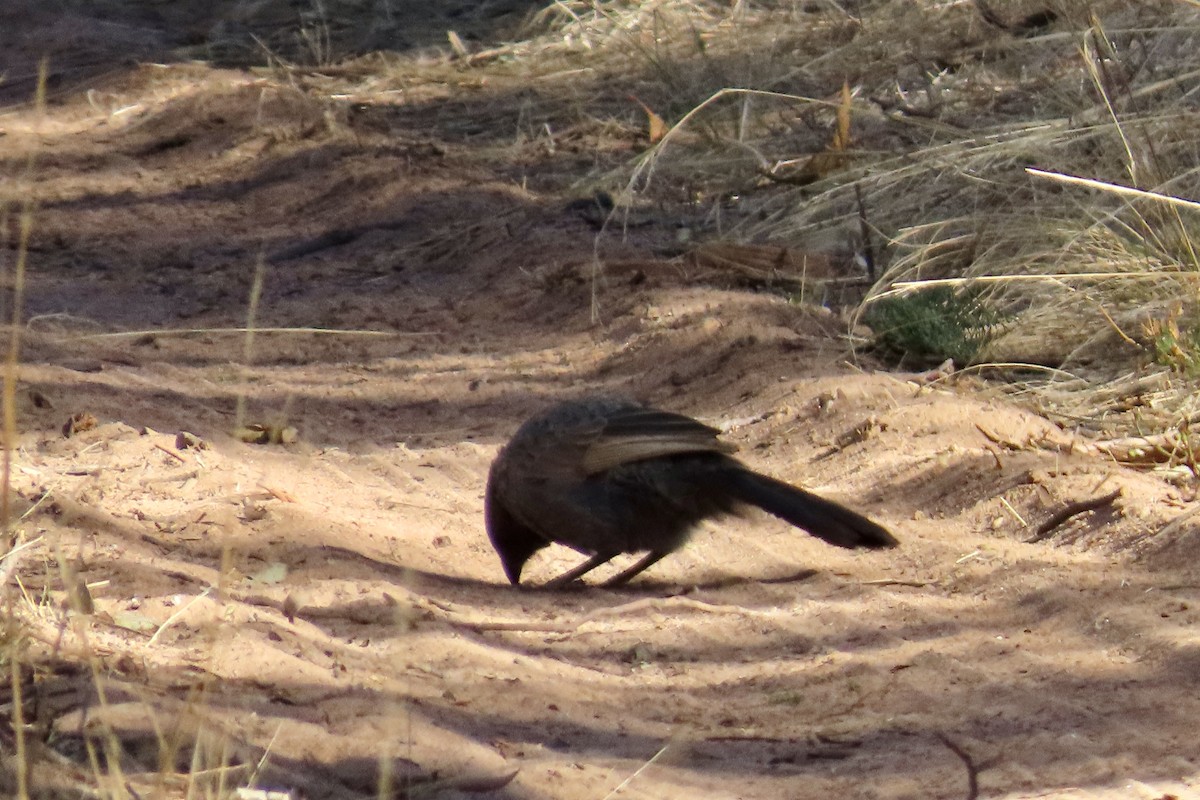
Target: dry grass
955, 126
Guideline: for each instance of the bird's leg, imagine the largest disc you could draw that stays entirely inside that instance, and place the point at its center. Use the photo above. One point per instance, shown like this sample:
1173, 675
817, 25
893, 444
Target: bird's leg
624, 576
570, 576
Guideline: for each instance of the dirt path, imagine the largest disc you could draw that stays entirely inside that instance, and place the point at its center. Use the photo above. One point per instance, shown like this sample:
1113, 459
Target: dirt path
335, 602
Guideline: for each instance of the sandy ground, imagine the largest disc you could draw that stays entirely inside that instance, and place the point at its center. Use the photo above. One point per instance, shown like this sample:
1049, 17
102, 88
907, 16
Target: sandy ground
334, 604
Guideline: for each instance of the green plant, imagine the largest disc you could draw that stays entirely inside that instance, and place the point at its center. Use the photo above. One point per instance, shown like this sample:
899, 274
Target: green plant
934, 324
1174, 346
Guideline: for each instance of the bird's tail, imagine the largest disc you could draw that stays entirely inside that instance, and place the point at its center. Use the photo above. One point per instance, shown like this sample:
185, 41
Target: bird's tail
822, 518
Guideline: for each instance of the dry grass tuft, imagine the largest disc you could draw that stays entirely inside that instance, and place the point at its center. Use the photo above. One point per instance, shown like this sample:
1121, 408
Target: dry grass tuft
955, 126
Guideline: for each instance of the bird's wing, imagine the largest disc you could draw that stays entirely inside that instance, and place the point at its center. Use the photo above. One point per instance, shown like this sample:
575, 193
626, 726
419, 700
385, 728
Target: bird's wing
637, 434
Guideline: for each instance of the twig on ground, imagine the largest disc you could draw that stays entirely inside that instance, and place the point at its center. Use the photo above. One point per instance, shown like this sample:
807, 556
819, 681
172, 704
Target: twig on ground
972, 768
1014, 512
171, 620
663, 603
996, 439
177, 477
171, 453
638, 772
1070, 510
521, 627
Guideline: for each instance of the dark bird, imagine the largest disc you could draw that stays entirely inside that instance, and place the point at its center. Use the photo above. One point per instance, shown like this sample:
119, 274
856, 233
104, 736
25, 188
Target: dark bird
607, 476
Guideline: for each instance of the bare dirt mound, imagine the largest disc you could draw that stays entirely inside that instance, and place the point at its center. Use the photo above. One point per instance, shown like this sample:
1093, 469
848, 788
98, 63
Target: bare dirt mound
328, 615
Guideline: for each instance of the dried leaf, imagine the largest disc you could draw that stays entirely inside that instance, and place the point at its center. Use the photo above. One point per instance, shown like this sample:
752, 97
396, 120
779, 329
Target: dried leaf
656, 127
841, 136
78, 423
834, 157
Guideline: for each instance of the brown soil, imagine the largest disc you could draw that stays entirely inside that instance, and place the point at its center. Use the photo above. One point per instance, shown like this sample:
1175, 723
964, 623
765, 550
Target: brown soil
335, 603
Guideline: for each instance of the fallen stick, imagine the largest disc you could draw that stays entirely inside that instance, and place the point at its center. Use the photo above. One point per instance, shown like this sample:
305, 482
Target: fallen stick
1070, 510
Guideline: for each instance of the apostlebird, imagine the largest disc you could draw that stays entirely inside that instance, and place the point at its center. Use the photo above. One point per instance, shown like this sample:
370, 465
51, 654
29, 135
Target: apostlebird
607, 476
